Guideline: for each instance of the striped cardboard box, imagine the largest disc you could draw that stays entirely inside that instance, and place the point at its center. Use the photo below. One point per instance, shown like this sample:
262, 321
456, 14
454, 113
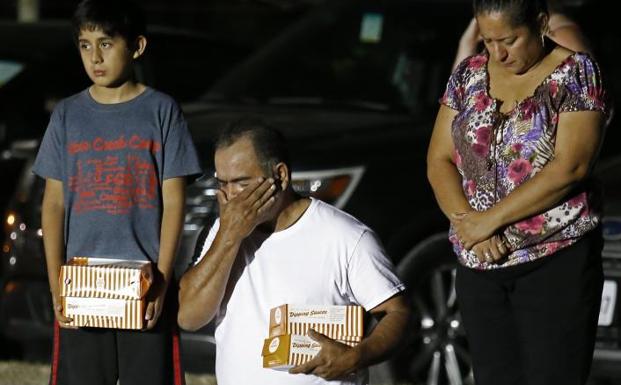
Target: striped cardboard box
104, 292
105, 312
343, 323
289, 350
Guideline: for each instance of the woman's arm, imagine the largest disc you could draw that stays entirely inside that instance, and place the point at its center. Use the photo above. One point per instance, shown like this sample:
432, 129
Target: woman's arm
579, 136
567, 33
468, 43
441, 171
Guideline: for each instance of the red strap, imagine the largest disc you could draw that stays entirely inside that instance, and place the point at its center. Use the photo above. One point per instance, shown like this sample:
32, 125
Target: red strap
55, 354
177, 372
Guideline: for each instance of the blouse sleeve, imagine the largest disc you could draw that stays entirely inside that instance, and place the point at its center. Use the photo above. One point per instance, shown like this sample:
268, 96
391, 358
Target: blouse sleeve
583, 89
453, 96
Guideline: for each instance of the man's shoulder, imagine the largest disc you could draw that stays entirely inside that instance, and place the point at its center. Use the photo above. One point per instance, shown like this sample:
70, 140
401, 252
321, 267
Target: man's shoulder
334, 219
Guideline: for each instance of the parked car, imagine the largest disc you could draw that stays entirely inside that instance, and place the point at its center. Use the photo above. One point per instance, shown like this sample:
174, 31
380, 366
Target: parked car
354, 87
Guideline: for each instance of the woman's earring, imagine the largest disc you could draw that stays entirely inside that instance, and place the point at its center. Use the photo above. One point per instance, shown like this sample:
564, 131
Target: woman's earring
543, 40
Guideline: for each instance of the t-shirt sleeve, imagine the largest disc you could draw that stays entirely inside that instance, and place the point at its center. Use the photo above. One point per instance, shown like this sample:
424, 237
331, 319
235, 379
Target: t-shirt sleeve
583, 89
371, 275
49, 161
208, 240
180, 156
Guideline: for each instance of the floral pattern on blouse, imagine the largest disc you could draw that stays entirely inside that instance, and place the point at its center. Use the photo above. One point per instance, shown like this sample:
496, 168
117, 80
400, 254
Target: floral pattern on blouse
496, 152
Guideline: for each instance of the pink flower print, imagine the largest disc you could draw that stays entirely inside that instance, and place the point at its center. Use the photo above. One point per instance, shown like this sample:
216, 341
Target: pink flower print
483, 134
553, 87
459, 91
471, 187
578, 200
517, 147
532, 225
595, 93
527, 109
477, 62
554, 119
551, 247
457, 158
480, 149
518, 169
481, 101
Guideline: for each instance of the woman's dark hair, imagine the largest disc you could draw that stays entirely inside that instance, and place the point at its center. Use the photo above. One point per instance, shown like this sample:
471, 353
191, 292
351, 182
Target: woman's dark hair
269, 143
114, 17
519, 12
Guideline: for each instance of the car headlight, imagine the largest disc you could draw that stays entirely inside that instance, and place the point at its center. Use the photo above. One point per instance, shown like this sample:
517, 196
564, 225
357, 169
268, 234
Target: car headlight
333, 186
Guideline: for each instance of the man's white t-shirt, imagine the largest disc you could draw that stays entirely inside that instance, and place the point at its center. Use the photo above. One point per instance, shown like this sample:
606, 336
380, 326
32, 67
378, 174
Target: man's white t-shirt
326, 258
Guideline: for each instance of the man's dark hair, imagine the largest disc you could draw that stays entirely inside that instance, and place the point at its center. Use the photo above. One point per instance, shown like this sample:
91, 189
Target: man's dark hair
269, 143
519, 12
114, 17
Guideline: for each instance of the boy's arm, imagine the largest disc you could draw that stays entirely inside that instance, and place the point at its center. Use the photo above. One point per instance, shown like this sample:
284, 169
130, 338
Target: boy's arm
173, 200
53, 226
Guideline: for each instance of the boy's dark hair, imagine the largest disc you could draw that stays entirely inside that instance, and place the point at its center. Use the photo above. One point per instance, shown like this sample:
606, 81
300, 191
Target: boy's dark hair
114, 17
519, 12
269, 143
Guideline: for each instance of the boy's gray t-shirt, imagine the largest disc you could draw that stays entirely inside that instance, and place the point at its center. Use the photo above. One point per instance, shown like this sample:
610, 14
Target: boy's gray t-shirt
112, 160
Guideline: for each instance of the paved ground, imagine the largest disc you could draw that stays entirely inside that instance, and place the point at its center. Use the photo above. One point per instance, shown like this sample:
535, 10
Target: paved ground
24, 373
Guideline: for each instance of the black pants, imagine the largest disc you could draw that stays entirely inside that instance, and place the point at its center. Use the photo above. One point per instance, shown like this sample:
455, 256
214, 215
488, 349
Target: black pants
99, 356
534, 324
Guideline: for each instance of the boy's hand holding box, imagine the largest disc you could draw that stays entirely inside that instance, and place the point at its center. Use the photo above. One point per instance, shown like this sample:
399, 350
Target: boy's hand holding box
105, 293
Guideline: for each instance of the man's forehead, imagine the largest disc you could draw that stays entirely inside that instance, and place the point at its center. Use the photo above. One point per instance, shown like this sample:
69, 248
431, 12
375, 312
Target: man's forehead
241, 149
236, 160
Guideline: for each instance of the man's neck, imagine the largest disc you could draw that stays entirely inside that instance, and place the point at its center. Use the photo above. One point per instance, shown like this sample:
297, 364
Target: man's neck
113, 95
292, 208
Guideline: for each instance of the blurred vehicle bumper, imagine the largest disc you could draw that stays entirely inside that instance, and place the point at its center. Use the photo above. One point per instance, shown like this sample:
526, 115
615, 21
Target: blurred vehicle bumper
26, 310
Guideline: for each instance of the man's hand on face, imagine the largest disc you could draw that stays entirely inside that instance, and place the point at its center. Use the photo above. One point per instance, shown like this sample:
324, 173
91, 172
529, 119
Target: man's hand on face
242, 213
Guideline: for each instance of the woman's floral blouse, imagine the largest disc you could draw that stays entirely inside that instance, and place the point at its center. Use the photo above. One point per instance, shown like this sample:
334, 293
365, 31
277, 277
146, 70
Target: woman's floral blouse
496, 152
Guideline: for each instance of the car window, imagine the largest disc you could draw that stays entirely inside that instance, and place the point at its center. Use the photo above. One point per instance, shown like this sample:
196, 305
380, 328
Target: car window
9, 70
184, 65
385, 55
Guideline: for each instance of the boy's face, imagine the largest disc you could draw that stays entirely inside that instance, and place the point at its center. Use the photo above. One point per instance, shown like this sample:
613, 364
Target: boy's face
107, 59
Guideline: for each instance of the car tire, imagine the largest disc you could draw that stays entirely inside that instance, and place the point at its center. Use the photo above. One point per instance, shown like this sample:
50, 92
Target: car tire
436, 351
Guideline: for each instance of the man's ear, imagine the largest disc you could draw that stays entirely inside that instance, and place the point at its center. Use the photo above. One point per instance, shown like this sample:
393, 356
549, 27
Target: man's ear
139, 46
281, 171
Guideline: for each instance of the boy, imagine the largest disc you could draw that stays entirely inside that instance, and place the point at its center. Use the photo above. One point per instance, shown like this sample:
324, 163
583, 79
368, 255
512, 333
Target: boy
115, 157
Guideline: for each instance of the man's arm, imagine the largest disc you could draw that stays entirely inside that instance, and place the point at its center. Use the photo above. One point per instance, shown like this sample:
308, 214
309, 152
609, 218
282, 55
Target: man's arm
173, 202
203, 286
337, 360
53, 226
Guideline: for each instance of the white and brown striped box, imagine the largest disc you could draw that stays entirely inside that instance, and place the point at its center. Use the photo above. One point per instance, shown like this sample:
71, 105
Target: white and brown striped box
104, 292
286, 351
344, 323
289, 350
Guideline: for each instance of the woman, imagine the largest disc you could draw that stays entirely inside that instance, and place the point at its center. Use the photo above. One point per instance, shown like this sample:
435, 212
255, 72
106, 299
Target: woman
561, 29
514, 142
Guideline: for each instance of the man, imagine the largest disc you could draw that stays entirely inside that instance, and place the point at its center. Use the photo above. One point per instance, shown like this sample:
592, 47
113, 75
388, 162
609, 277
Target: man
270, 247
